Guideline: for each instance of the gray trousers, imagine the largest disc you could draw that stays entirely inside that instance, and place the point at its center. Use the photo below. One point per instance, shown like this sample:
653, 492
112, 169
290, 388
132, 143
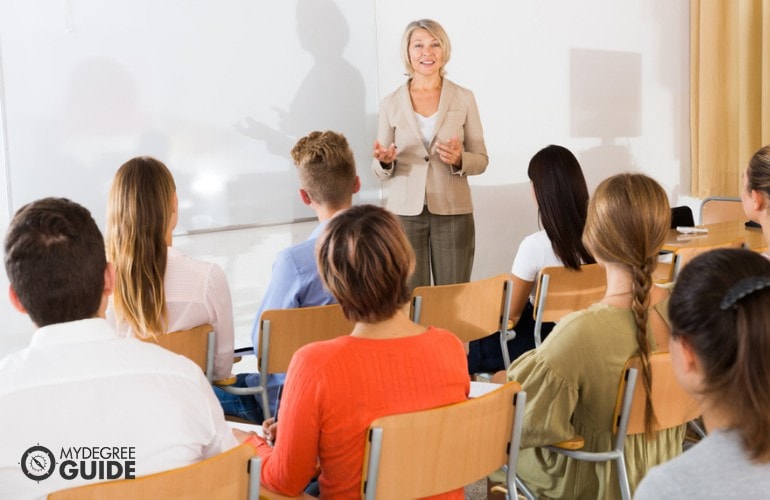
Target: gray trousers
444, 245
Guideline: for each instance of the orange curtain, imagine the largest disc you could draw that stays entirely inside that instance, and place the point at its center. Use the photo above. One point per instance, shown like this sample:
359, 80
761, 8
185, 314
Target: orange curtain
729, 91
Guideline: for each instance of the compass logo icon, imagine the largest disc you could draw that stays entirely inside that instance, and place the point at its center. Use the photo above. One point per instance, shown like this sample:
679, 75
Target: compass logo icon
38, 463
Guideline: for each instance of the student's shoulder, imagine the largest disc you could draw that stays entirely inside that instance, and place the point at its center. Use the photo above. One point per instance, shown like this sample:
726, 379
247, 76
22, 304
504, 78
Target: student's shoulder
154, 358
180, 263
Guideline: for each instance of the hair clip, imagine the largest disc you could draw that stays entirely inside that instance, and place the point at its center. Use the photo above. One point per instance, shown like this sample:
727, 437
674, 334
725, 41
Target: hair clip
744, 287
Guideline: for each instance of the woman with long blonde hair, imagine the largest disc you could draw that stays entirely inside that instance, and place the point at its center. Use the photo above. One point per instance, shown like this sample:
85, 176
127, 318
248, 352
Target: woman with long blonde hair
572, 378
157, 288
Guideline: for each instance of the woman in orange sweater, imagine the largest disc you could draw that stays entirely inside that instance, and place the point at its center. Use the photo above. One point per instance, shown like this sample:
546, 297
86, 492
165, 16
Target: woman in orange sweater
387, 365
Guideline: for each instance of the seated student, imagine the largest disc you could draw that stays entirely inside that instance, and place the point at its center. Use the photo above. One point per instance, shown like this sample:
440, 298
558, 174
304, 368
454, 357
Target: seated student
158, 289
720, 347
79, 384
572, 378
561, 194
328, 180
388, 364
756, 191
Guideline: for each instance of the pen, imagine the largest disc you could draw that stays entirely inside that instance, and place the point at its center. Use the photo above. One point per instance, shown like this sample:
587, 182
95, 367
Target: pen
278, 402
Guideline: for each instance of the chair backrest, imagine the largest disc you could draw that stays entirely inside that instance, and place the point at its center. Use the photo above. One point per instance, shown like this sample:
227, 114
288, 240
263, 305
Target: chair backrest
428, 452
231, 475
196, 344
685, 254
671, 404
561, 290
469, 310
283, 331
721, 209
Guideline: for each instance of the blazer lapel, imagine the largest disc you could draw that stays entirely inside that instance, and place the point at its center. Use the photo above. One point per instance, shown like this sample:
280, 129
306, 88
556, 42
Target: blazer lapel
447, 91
405, 103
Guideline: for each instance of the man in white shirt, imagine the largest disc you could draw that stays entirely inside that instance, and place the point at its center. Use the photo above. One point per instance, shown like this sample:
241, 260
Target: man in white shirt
81, 404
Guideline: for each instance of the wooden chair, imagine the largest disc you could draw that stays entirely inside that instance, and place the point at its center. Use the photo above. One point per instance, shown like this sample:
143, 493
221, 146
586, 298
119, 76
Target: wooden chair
672, 407
196, 344
685, 254
721, 209
469, 310
561, 290
231, 475
413, 455
282, 332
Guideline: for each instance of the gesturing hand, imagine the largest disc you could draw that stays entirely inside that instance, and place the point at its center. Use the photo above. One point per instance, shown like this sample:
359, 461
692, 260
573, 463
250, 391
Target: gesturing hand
451, 151
384, 155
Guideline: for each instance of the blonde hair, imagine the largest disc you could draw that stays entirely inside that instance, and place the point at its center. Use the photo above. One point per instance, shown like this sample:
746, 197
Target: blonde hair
436, 31
139, 212
326, 167
628, 218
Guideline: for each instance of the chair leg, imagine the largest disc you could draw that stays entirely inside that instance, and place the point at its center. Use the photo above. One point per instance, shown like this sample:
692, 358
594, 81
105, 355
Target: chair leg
625, 488
522, 489
695, 426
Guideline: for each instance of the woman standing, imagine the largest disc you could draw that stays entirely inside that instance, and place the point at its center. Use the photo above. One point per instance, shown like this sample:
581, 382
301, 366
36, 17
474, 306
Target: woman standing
573, 376
720, 344
429, 140
158, 289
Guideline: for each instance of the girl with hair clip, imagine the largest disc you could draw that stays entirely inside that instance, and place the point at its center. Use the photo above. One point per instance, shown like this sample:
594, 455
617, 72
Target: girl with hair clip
572, 378
561, 194
157, 288
720, 347
756, 191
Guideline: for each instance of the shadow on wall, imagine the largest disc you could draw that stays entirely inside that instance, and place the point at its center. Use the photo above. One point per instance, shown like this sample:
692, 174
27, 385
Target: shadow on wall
504, 215
332, 96
605, 103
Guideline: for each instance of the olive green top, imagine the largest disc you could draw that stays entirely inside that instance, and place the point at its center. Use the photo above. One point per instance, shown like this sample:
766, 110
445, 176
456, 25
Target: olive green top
571, 382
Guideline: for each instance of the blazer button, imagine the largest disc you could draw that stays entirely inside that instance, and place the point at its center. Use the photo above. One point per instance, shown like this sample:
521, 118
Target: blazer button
427, 158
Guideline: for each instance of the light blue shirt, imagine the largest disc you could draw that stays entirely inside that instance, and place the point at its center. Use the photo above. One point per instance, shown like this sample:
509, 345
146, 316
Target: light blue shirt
295, 282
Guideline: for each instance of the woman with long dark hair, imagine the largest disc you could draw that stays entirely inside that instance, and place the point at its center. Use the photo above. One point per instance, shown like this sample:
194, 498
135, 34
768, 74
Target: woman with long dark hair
720, 347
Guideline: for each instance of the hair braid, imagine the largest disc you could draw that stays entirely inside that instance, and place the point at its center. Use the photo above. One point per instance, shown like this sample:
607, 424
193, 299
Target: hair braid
642, 282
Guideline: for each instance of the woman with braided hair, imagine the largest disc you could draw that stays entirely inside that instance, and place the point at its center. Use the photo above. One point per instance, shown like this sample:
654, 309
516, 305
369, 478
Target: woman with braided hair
720, 344
572, 378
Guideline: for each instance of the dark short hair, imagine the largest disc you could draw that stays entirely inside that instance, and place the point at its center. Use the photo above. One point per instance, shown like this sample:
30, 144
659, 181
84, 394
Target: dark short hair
718, 309
55, 261
365, 259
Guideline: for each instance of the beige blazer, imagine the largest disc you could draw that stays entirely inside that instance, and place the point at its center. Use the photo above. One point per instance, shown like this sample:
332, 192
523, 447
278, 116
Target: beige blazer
418, 174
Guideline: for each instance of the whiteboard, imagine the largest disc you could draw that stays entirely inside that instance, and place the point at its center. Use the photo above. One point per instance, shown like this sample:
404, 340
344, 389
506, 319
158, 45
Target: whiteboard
218, 90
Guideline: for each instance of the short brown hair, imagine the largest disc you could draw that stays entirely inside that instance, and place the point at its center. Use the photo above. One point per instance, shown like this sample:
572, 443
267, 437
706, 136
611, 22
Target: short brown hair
327, 170
365, 259
55, 260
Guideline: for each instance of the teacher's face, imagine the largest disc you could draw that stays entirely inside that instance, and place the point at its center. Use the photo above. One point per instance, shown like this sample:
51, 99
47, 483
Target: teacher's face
425, 53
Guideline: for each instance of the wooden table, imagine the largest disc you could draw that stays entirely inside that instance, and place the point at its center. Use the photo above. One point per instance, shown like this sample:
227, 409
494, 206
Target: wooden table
719, 233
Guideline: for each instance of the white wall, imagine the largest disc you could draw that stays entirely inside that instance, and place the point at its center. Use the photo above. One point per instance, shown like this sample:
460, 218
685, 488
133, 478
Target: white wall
607, 79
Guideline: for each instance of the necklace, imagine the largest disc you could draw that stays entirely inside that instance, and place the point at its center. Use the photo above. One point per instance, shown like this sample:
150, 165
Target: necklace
619, 294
